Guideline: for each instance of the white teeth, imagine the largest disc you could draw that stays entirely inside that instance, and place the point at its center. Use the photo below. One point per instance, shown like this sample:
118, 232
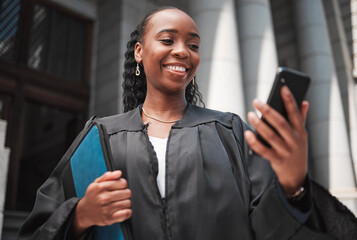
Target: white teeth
176, 68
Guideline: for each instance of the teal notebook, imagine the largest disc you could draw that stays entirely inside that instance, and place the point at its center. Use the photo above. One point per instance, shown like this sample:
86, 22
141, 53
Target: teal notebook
90, 160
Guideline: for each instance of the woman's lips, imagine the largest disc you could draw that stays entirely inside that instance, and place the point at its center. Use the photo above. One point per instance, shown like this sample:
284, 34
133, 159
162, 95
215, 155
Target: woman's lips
176, 68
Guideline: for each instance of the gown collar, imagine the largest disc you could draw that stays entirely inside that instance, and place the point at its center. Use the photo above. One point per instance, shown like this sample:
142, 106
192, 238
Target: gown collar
193, 116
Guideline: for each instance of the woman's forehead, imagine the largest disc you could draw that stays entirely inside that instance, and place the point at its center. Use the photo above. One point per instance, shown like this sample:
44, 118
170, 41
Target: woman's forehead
171, 19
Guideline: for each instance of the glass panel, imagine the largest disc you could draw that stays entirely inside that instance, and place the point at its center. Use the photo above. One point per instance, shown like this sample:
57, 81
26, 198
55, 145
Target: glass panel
48, 132
38, 42
9, 21
57, 44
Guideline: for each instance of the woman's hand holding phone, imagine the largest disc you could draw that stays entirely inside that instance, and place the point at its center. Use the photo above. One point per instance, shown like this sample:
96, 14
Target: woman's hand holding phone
289, 143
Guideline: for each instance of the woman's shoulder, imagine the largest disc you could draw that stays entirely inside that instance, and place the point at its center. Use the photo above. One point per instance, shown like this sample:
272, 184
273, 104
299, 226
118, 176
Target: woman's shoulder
129, 121
196, 115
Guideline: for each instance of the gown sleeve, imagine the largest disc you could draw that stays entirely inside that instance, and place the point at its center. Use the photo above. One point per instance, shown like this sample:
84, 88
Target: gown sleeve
270, 217
52, 213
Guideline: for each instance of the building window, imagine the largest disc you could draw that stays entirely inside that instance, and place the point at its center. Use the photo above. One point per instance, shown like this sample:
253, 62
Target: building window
48, 133
57, 44
44, 89
9, 25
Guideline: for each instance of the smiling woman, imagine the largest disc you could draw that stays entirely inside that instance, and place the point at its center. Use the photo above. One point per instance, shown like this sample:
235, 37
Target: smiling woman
186, 172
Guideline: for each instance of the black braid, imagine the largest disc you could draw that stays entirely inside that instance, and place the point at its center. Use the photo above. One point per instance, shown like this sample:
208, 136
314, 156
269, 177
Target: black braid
135, 86
193, 95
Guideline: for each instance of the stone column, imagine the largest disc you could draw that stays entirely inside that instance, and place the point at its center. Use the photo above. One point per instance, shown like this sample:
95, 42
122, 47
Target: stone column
330, 156
219, 74
352, 88
4, 162
350, 93
105, 97
354, 35
344, 71
258, 49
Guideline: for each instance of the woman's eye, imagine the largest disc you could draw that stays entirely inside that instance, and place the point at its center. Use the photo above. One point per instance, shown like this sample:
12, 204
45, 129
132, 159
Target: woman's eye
166, 41
194, 46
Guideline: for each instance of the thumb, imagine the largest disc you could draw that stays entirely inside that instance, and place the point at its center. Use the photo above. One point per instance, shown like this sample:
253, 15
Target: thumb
108, 176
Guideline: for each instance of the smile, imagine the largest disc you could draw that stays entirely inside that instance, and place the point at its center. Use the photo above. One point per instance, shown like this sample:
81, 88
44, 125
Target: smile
176, 68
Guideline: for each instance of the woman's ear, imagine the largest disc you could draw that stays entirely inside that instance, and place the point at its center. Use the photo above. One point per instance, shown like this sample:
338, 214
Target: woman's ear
138, 52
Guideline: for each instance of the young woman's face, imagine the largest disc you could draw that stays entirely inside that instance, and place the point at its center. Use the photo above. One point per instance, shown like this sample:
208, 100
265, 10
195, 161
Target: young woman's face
169, 51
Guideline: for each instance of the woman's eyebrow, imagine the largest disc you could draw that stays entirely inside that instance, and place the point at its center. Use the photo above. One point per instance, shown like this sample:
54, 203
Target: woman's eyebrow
193, 34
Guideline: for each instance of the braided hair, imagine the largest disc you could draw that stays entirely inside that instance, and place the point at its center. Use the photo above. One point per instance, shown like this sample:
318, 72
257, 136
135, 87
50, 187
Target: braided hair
135, 86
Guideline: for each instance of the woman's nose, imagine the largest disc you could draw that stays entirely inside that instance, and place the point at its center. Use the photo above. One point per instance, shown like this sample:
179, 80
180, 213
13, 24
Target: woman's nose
180, 51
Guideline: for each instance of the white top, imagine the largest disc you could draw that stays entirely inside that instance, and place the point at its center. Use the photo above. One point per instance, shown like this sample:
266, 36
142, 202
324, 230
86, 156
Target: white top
160, 149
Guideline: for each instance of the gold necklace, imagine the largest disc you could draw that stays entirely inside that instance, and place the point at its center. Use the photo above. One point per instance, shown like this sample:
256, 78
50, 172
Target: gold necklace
159, 120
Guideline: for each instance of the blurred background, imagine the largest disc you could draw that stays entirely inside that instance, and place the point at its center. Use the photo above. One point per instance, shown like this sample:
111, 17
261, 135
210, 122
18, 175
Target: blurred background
61, 61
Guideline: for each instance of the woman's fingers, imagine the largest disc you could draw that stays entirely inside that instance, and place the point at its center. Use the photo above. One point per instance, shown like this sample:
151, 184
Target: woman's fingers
106, 201
278, 122
109, 191
123, 204
294, 114
114, 196
109, 176
268, 134
257, 146
115, 207
115, 217
304, 109
110, 211
122, 215
113, 185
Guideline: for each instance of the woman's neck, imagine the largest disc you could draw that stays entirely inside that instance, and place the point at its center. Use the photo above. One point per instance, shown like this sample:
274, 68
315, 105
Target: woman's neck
165, 107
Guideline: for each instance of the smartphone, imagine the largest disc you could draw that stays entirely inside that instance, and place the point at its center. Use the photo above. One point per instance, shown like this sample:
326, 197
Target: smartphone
296, 81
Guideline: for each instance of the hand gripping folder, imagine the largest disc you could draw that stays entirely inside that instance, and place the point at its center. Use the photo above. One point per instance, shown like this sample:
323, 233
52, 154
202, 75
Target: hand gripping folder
91, 159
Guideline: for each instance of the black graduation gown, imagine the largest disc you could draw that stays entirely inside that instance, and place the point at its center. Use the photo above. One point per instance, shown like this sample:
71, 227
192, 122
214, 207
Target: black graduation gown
215, 187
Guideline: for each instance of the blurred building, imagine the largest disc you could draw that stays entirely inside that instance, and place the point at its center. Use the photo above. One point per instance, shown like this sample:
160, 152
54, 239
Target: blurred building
61, 61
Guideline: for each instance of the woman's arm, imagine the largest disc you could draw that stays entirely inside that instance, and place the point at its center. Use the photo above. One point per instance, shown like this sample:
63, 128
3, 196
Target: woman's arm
270, 218
55, 215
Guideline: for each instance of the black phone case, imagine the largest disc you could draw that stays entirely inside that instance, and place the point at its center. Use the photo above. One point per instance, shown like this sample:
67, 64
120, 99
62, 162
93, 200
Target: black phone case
296, 81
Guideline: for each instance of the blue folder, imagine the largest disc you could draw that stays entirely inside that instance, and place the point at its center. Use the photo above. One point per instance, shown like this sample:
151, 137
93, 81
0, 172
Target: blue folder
90, 160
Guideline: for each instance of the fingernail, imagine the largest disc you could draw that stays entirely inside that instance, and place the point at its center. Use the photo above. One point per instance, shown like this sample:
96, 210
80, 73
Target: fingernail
257, 103
247, 134
252, 117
